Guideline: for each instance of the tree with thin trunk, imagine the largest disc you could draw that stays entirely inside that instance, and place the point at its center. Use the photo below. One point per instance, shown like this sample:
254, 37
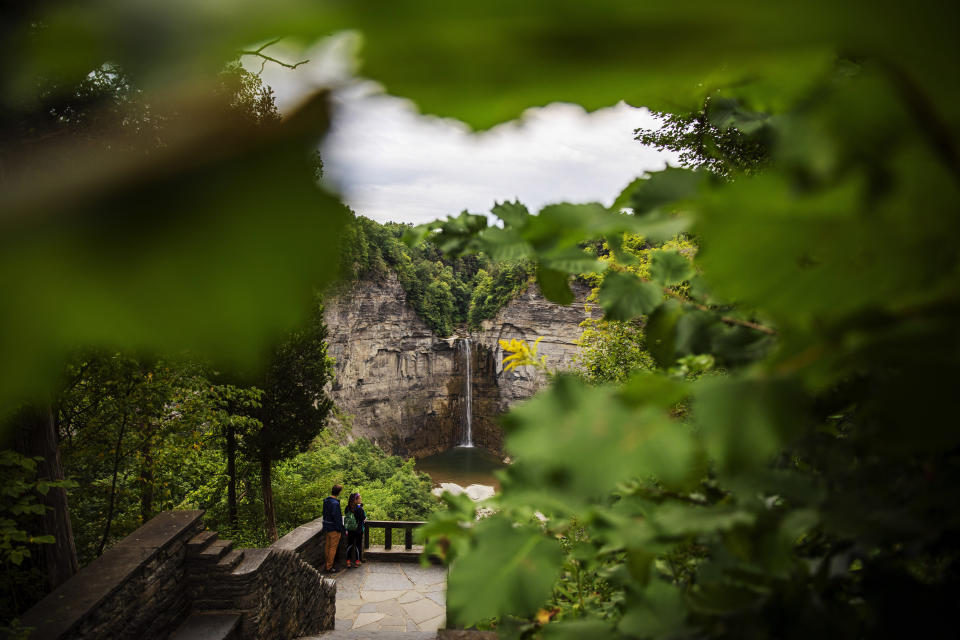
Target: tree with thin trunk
235, 408
294, 407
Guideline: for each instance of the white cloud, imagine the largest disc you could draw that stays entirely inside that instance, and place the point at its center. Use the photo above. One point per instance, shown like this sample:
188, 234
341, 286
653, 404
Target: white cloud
392, 163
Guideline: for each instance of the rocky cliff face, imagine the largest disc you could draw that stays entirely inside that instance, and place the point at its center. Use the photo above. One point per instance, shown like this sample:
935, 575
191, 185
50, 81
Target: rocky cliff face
404, 387
527, 317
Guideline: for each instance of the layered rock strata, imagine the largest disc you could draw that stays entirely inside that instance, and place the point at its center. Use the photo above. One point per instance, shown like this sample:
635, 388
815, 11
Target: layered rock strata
403, 387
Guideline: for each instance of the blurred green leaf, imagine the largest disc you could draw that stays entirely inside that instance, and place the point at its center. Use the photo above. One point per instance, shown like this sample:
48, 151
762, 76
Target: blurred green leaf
661, 338
720, 598
576, 630
669, 268
597, 55
624, 296
171, 251
658, 613
678, 519
511, 571
513, 214
647, 387
745, 422
456, 235
665, 187
583, 441
555, 285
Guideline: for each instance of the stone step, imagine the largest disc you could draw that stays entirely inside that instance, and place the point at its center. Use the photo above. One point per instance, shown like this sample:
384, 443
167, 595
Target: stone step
199, 542
215, 551
230, 561
207, 605
209, 626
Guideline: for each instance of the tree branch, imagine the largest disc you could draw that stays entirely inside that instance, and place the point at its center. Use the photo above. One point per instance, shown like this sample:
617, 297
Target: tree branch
725, 319
258, 52
932, 126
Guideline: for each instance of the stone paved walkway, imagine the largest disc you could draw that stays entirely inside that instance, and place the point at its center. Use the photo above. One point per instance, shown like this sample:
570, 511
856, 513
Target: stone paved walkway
405, 599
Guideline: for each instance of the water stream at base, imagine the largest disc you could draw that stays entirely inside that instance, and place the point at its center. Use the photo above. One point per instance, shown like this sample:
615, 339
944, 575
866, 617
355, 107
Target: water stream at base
463, 466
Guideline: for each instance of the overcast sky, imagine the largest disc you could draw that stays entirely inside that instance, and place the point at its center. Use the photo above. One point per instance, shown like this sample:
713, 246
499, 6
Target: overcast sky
392, 163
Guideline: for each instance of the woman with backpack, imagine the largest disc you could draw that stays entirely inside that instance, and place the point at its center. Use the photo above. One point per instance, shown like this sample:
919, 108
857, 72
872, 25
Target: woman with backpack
353, 522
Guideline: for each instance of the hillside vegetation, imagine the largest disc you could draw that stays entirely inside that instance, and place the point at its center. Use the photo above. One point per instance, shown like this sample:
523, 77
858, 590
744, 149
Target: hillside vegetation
444, 292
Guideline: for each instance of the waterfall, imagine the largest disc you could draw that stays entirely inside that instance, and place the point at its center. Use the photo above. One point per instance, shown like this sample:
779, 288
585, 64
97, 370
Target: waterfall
467, 441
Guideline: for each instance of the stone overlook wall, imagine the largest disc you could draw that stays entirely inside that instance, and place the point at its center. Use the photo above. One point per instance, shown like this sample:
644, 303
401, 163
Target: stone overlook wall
136, 589
170, 574
403, 386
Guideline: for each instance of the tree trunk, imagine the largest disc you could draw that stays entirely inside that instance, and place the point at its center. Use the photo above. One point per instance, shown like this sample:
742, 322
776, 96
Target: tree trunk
231, 476
113, 488
146, 482
267, 486
60, 558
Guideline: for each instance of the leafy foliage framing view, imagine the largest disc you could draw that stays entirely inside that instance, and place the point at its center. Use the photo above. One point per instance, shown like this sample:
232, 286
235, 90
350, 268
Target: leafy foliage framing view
794, 477
445, 293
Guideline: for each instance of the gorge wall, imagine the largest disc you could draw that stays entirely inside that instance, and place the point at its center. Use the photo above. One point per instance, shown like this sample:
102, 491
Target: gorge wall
404, 387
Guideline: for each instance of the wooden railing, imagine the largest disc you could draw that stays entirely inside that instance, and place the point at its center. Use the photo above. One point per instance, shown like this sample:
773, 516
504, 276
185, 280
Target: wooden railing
388, 526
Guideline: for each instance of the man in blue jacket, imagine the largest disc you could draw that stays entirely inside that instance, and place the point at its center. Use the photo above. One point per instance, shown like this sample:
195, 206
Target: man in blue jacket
332, 524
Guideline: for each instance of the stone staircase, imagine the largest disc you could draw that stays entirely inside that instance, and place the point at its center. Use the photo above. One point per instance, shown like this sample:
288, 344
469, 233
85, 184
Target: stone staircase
213, 617
251, 593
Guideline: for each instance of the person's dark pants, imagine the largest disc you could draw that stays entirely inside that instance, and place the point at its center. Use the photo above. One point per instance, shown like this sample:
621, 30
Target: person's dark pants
355, 545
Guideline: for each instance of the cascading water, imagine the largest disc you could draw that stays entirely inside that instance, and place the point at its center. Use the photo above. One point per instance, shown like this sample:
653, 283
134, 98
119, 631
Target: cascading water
467, 440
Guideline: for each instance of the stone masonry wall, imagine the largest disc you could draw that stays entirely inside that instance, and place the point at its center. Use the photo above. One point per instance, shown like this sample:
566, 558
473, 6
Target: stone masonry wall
136, 589
147, 584
277, 591
294, 600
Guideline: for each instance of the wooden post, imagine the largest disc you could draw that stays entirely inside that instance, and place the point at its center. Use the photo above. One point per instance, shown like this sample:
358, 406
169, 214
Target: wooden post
387, 538
366, 537
408, 538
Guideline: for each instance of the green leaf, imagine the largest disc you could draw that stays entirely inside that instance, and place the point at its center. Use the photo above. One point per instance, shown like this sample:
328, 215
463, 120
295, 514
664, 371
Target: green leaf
639, 561
504, 244
669, 268
624, 296
412, 236
572, 260
457, 236
513, 214
625, 199
625, 258
659, 613
560, 51
511, 571
576, 630
661, 335
555, 285
678, 520
166, 251
720, 598
583, 441
646, 387
746, 422
665, 187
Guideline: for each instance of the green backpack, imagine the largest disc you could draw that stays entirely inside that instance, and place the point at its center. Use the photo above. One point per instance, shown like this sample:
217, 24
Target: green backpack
350, 522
